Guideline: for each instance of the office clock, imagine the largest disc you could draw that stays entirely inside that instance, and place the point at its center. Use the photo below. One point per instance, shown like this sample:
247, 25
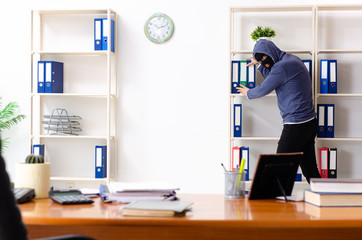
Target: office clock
159, 28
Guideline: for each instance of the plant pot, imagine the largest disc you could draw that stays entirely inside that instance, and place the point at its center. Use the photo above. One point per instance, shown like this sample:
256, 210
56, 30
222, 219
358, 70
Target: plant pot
33, 175
266, 38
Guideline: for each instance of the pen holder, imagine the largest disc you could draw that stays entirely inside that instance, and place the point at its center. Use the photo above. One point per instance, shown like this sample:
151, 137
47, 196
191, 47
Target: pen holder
234, 184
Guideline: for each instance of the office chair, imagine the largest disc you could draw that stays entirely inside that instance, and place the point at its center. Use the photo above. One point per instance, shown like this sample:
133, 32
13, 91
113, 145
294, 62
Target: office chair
68, 237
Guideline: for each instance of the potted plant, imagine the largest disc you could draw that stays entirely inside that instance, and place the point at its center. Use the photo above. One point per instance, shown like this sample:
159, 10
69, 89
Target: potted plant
33, 173
8, 118
260, 32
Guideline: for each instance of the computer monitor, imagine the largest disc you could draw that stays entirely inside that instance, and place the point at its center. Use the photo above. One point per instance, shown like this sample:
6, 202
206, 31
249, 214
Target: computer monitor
274, 175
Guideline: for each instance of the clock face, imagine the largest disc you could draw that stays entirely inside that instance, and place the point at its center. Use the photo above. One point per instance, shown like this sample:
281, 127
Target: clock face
159, 28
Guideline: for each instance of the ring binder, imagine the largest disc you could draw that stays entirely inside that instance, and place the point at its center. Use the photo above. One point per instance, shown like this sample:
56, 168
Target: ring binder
101, 161
237, 120
235, 65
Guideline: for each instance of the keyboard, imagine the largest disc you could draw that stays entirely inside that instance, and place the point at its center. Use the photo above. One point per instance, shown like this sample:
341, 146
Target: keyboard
72, 199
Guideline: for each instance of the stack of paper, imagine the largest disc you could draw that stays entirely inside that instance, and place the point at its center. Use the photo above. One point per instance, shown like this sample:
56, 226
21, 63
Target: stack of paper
156, 208
129, 192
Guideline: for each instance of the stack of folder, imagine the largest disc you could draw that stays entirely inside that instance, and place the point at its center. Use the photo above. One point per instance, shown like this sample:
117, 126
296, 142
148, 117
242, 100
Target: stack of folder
325, 114
327, 162
328, 76
129, 192
239, 153
241, 74
102, 35
50, 77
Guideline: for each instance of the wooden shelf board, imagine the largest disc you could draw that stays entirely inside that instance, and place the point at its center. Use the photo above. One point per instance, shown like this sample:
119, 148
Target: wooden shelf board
255, 138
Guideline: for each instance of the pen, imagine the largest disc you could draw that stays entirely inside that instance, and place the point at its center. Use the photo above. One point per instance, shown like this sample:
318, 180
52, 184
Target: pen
241, 169
223, 166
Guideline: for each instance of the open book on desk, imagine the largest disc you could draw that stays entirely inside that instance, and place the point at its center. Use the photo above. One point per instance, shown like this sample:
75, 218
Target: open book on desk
129, 192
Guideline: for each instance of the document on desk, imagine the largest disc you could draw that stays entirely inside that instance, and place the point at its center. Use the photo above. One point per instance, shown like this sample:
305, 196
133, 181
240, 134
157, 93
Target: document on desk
129, 192
156, 208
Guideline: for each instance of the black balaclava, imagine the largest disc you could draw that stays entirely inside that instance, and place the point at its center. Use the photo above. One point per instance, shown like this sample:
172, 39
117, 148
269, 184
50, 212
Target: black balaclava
268, 60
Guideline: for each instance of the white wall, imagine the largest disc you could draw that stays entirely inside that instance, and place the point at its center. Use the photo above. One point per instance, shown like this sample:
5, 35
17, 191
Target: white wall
173, 97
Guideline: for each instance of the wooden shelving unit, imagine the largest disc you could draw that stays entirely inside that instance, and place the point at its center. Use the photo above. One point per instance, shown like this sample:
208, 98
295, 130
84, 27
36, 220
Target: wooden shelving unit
324, 37
241, 44
98, 103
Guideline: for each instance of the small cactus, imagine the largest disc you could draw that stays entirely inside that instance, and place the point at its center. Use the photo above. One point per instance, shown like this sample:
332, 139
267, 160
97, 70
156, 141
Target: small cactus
34, 159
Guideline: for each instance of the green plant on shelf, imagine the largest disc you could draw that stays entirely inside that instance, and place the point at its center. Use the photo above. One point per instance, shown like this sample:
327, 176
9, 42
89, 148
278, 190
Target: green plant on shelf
8, 118
260, 32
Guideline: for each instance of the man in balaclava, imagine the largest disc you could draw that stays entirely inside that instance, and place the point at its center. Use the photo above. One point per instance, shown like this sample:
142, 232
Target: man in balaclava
288, 76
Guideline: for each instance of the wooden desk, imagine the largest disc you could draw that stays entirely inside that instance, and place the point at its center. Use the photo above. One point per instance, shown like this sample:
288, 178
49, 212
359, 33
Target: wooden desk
212, 217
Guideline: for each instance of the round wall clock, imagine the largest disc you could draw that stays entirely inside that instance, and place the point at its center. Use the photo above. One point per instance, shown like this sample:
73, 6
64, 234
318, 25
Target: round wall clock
159, 28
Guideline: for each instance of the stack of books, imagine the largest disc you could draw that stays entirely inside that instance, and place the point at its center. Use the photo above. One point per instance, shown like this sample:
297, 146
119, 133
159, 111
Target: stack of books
129, 192
334, 192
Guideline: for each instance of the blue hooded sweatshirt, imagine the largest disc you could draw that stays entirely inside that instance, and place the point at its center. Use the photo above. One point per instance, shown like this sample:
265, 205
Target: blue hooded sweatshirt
291, 81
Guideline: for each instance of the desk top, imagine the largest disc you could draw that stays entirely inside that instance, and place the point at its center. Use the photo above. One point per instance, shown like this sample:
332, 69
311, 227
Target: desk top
206, 208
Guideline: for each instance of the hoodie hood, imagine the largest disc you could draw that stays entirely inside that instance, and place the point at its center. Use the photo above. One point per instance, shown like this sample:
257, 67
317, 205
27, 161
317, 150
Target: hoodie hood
268, 48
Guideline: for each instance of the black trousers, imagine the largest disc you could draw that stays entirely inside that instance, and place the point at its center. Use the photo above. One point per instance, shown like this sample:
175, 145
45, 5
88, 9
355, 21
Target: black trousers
300, 138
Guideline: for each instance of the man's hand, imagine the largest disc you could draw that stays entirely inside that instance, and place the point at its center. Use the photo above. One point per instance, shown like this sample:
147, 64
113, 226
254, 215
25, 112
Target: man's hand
242, 89
252, 62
